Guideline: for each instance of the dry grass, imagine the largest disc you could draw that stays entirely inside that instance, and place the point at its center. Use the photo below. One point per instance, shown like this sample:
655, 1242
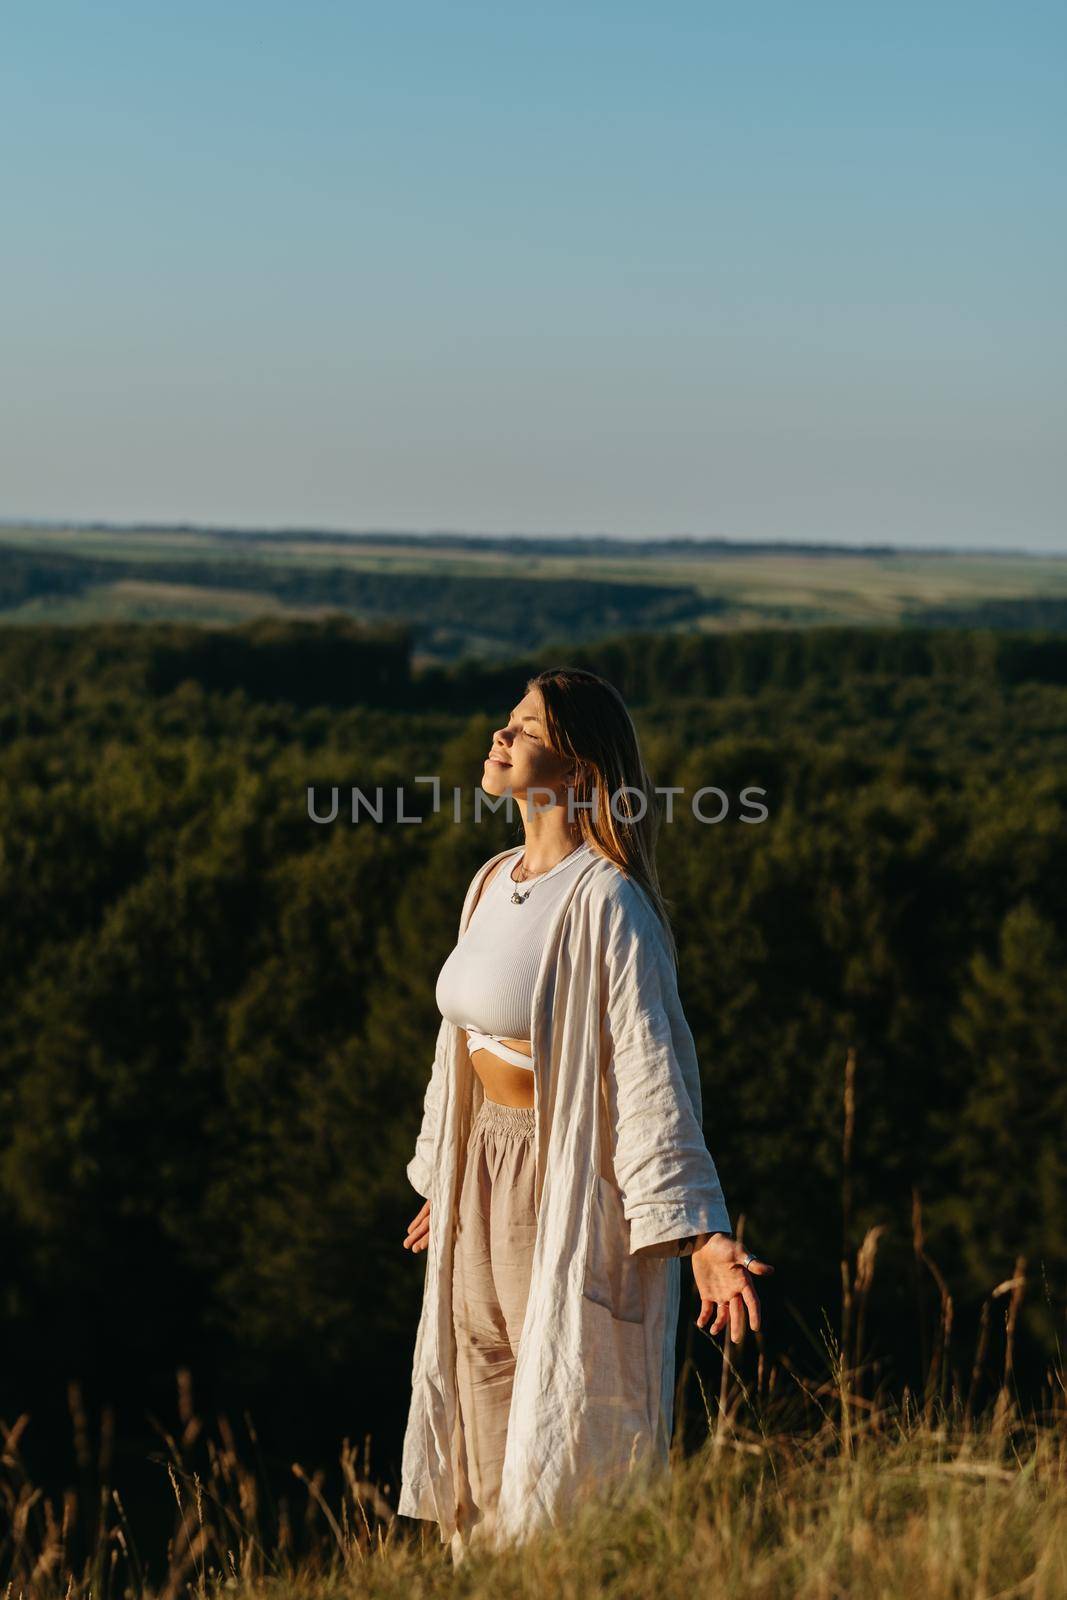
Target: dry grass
800, 1489
808, 1489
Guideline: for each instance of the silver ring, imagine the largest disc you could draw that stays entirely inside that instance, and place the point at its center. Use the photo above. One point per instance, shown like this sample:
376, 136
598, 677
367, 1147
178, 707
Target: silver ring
749, 1258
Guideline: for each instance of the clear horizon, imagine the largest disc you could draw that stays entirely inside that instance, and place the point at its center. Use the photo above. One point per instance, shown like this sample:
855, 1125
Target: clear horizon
790, 277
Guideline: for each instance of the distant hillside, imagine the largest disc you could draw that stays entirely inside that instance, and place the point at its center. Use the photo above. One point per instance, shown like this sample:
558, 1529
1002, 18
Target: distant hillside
463, 595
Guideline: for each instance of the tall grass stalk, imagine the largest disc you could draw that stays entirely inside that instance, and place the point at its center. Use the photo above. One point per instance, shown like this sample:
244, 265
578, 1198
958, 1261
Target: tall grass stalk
802, 1487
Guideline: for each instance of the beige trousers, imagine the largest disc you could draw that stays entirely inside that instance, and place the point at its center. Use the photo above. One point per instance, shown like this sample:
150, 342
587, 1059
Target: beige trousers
493, 1255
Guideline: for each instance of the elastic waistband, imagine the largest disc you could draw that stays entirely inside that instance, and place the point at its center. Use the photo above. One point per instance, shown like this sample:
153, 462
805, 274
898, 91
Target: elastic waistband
506, 1119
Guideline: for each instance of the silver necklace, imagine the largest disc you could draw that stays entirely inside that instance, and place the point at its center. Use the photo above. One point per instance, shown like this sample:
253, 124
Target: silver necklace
518, 899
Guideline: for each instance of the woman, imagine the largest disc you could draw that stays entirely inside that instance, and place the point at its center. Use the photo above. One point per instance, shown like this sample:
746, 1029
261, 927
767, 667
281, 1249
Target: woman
561, 1154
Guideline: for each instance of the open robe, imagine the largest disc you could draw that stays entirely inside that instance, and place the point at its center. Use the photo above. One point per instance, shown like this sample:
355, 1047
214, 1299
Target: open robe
621, 1166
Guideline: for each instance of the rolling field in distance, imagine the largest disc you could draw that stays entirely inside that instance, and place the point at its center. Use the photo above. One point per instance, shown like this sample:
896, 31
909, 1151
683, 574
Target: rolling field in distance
471, 595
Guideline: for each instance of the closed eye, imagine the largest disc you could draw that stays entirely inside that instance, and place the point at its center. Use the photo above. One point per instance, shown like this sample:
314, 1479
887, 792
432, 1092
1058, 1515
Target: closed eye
530, 735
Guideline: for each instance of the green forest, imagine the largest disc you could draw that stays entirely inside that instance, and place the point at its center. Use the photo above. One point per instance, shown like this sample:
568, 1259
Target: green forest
218, 1016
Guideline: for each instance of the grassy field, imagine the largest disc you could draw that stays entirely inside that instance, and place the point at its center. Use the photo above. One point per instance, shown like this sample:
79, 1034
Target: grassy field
801, 1486
872, 1501
140, 600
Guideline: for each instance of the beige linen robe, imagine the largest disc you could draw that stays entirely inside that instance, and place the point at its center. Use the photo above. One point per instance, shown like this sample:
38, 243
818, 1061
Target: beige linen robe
621, 1167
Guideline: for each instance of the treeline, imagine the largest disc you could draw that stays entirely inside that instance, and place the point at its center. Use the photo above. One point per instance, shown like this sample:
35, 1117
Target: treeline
26, 575
517, 544
217, 1017
649, 670
339, 661
1044, 611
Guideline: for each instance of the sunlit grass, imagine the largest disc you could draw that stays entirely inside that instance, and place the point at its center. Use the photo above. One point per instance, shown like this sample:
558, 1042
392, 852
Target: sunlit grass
800, 1488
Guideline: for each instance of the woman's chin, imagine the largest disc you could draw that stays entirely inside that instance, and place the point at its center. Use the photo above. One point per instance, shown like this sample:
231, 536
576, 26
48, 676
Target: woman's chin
496, 780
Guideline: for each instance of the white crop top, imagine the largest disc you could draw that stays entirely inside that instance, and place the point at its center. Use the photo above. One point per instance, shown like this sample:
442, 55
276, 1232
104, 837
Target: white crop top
486, 986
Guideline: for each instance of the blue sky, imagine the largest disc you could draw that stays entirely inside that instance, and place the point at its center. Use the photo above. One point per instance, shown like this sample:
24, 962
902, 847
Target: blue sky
775, 271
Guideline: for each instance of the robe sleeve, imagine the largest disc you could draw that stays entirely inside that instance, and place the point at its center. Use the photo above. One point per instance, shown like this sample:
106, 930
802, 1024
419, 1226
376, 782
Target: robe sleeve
420, 1168
669, 1184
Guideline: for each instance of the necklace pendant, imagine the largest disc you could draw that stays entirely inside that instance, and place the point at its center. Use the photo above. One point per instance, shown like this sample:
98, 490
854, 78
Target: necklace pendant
518, 899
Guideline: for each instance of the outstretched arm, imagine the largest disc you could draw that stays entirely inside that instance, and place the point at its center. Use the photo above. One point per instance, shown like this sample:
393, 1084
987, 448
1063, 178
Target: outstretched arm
668, 1180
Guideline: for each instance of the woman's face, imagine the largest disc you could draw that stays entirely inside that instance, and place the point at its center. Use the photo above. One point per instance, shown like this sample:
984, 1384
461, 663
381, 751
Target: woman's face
520, 758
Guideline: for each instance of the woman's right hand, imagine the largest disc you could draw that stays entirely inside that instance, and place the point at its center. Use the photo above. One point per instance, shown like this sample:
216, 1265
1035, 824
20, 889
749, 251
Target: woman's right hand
418, 1235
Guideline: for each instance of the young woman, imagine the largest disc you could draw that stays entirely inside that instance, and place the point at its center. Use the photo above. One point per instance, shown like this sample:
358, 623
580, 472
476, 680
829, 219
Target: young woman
561, 1154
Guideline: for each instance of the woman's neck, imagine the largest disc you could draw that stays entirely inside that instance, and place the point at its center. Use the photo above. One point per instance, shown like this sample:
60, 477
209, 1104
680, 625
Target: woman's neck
541, 855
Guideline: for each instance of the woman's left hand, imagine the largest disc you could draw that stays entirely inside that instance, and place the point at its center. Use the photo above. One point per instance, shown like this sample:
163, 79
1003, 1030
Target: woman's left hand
724, 1282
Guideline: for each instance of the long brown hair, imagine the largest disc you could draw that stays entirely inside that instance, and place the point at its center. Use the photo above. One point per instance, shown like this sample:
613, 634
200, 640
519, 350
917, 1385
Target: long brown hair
588, 723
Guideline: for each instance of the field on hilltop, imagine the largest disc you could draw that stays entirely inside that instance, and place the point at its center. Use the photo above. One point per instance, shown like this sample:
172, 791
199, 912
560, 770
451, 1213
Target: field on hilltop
483, 596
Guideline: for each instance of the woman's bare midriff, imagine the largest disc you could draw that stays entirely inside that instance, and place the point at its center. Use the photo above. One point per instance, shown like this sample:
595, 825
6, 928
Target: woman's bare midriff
502, 1080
